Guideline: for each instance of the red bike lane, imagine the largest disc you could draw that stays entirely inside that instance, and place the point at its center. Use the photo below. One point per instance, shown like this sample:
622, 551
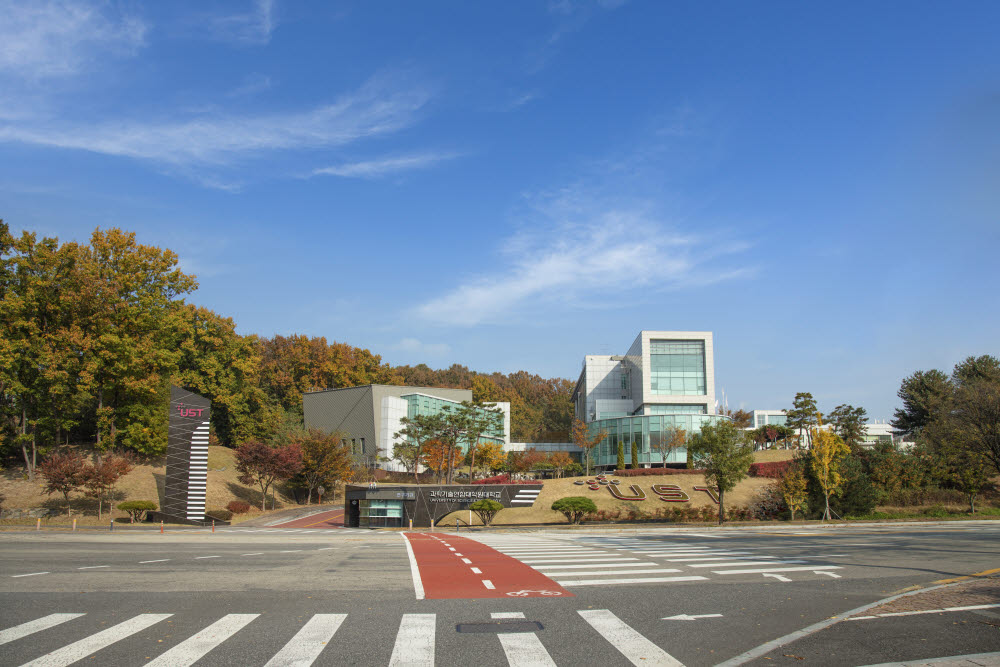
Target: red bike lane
452, 567
331, 519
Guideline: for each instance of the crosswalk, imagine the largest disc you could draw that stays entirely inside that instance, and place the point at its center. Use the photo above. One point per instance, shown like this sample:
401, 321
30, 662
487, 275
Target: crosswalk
608, 561
277, 531
415, 643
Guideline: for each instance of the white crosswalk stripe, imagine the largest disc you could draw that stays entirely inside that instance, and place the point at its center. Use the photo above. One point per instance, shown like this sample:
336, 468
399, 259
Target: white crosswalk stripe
414, 643
79, 650
306, 645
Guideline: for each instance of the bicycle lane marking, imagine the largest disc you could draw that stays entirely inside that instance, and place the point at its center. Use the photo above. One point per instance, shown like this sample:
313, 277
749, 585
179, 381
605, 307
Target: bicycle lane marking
490, 574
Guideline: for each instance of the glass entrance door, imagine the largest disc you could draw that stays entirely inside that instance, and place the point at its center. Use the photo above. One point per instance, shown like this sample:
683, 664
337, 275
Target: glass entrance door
380, 514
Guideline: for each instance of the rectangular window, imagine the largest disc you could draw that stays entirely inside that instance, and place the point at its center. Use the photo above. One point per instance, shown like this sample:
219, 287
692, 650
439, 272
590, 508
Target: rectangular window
677, 367
362, 445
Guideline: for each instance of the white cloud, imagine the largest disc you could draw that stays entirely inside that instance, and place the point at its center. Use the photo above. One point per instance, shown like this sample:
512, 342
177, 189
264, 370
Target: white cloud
253, 27
581, 255
384, 166
377, 108
49, 38
414, 346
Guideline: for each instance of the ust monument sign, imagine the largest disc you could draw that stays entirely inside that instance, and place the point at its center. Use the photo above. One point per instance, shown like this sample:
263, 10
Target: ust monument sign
187, 457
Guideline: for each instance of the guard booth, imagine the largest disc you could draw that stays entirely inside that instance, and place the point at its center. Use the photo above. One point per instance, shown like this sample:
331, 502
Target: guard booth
425, 504
378, 508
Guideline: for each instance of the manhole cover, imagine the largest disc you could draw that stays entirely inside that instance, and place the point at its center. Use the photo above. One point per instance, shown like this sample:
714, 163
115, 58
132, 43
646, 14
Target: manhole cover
500, 626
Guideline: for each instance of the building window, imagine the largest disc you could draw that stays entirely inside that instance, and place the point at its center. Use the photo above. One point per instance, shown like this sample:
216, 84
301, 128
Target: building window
362, 445
677, 367
677, 409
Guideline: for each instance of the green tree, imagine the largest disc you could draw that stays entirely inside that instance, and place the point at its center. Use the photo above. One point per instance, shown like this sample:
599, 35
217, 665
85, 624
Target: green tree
924, 395
802, 416
848, 422
575, 508
416, 432
621, 456
793, 488
726, 455
827, 455
480, 419
486, 510
635, 455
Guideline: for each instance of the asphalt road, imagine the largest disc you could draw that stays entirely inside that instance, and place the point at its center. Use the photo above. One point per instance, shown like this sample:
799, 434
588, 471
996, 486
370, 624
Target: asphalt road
247, 596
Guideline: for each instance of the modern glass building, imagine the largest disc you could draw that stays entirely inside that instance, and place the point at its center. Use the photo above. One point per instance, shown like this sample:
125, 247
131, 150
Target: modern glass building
665, 382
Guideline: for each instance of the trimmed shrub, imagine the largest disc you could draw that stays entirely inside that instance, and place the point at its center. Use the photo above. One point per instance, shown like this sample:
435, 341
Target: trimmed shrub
643, 472
238, 507
575, 507
486, 509
219, 515
137, 508
772, 469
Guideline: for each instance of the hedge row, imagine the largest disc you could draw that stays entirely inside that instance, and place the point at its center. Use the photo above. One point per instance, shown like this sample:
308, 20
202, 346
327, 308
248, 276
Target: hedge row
772, 469
642, 472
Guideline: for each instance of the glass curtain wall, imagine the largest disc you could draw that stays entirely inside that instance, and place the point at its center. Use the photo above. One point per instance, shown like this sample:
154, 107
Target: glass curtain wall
644, 432
677, 367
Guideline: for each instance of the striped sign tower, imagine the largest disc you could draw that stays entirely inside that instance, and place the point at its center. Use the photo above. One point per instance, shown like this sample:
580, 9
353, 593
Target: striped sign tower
187, 457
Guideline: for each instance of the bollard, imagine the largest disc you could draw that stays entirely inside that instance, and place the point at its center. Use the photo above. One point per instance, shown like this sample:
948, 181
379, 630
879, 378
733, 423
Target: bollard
74, 525
38, 524
411, 524
161, 527
213, 525
111, 526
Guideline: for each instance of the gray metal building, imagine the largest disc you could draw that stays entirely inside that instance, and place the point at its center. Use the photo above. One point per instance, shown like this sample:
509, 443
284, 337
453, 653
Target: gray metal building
359, 412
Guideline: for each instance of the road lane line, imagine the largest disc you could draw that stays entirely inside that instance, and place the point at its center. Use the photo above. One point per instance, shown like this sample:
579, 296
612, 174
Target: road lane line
507, 614
808, 568
290, 551
636, 648
574, 559
467, 561
37, 625
92, 567
548, 568
605, 573
747, 563
489, 584
309, 642
458, 554
197, 646
30, 574
158, 560
256, 553
925, 611
637, 580
414, 645
418, 586
476, 570
79, 650
203, 557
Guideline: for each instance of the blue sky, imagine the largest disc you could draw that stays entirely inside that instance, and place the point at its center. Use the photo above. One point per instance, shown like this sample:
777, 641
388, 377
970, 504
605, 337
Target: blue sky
515, 185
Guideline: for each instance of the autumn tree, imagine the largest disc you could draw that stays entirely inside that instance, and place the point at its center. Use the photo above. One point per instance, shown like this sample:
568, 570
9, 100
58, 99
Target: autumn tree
740, 417
492, 456
793, 488
63, 473
726, 455
417, 431
582, 439
667, 442
101, 477
479, 419
259, 464
827, 458
326, 459
848, 422
435, 455
560, 460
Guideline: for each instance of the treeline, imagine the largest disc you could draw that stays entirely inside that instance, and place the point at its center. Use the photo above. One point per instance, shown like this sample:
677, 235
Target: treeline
92, 336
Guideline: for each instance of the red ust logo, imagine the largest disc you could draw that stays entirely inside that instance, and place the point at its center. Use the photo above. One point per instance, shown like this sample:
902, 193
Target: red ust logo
189, 412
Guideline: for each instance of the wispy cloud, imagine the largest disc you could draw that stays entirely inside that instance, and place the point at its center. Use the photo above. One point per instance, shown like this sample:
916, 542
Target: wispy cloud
584, 251
380, 106
50, 38
417, 347
253, 27
384, 166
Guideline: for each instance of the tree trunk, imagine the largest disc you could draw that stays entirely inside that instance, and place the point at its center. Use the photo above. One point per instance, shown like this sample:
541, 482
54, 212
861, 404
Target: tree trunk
472, 466
309, 496
100, 406
972, 502
722, 505
793, 512
69, 510
263, 497
826, 511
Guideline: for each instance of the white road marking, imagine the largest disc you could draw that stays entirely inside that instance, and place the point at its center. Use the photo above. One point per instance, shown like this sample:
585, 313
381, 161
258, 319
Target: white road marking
204, 557
92, 567
467, 561
489, 584
829, 574
451, 548
779, 569
197, 646
639, 580
604, 573
79, 650
31, 627
256, 553
158, 560
290, 551
458, 554
418, 585
524, 649
325, 548
30, 574
507, 614
415, 641
778, 577
925, 611
577, 559
746, 563
548, 568
637, 649
689, 617
476, 570
308, 643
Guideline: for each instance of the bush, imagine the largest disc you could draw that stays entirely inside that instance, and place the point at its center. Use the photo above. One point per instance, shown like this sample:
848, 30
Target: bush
137, 508
486, 509
767, 504
238, 507
219, 515
642, 472
772, 469
575, 507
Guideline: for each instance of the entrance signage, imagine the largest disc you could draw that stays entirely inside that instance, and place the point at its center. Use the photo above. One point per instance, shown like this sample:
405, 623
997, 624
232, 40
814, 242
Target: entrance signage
452, 496
425, 503
670, 493
187, 457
